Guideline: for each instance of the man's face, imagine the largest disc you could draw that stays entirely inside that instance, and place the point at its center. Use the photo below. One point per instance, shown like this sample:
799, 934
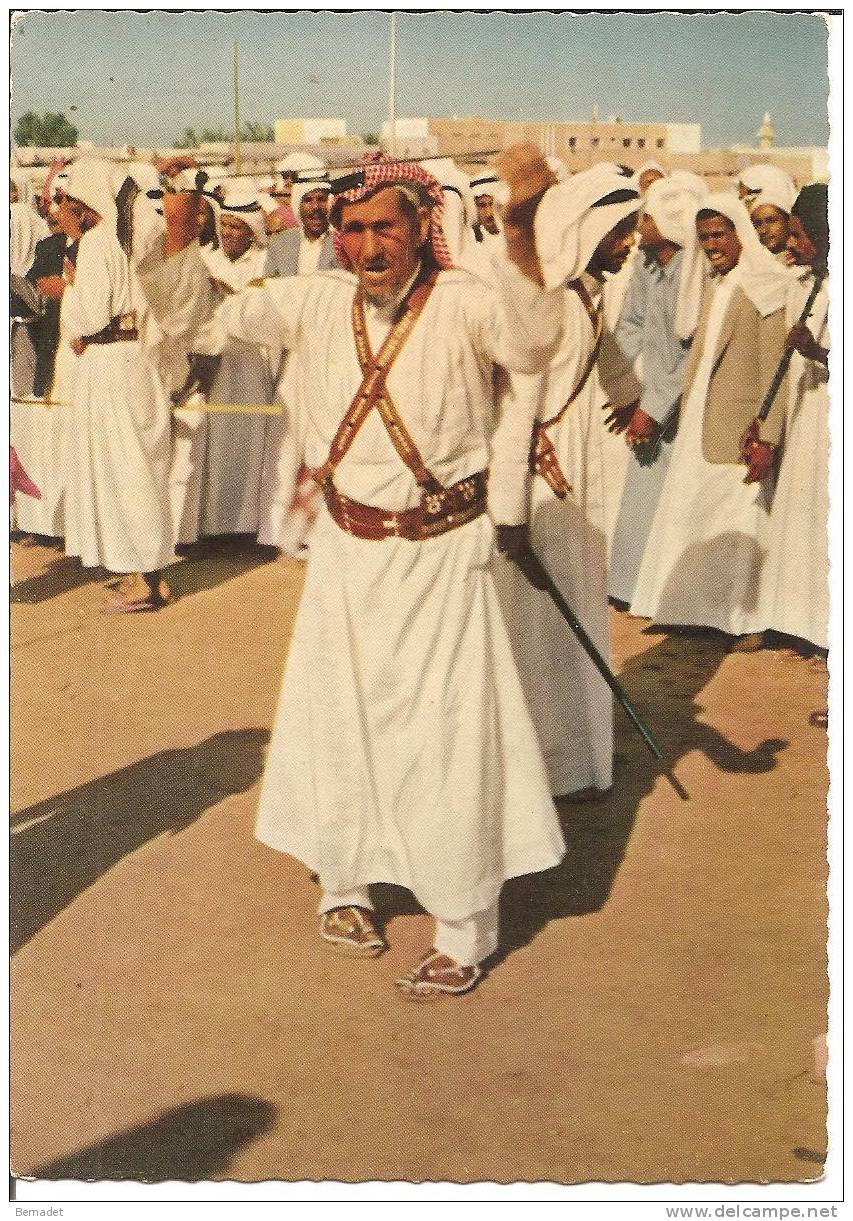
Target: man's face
799, 245
235, 235
314, 213
719, 240
647, 178
486, 213
382, 243
76, 218
771, 225
282, 190
614, 248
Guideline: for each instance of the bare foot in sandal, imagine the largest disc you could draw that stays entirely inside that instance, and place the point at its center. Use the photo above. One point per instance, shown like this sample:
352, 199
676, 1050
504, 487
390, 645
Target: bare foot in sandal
437, 975
351, 931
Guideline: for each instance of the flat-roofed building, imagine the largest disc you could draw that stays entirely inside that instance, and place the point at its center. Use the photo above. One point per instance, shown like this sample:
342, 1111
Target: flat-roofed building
309, 131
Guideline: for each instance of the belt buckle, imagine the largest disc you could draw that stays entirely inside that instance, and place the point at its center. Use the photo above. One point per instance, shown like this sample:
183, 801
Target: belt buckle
392, 525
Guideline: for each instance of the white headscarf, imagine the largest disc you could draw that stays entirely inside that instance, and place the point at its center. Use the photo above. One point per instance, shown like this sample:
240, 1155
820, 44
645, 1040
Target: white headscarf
772, 197
672, 203
568, 224
91, 181
486, 182
241, 200
459, 210
26, 229
761, 276
22, 182
297, 163
312, 180
770, 178
143, 174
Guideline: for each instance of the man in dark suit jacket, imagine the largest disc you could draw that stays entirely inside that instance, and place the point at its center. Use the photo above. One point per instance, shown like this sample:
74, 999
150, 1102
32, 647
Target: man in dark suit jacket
46, 274
308, 248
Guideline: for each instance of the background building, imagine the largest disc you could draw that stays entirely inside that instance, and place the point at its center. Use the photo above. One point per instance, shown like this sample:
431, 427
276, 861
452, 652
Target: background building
309, 131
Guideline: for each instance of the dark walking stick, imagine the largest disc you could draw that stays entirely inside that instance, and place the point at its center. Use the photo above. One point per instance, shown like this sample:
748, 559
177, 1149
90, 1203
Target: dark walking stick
788, 353
607, 674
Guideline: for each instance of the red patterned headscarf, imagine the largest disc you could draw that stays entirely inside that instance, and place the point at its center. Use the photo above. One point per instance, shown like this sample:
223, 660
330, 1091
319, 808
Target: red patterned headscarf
378, 170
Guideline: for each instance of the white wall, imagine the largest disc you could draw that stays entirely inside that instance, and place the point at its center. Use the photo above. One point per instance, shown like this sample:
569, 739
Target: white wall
683, 137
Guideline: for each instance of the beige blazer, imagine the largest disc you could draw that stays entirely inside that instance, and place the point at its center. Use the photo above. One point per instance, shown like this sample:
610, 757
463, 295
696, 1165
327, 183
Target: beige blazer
746, 358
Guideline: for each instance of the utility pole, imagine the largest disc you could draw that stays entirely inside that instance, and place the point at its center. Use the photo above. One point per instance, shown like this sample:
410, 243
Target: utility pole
392, 89
237, 158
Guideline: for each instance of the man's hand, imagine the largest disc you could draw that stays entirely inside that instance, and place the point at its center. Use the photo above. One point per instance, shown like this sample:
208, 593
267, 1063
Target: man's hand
800, 339
200, 378
757, 455
526, 172
760, 463
51, 286
641, 430
620, 417
514, 543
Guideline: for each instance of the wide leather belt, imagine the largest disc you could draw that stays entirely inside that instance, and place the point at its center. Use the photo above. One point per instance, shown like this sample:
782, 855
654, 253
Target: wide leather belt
118, 330
440, 511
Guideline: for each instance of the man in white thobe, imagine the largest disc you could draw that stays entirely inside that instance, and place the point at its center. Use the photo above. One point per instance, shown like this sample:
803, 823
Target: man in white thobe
707, 544
127, 347
402, 749
220, 457
289, 497
584, 228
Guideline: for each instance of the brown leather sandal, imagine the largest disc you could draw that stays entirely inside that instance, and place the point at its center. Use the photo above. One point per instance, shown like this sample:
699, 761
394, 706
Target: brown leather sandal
437, 975
351, 931
126, 604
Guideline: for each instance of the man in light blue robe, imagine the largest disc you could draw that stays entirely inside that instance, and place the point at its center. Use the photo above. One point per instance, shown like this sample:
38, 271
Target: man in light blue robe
655, 331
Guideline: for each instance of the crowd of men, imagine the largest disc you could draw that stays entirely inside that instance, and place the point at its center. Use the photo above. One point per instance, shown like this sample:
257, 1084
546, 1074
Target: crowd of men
442, 390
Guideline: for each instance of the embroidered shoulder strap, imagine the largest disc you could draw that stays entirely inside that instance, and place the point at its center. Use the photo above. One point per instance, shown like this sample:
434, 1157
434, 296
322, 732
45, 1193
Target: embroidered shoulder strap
397, 431
543, 455
596, 317
375, 370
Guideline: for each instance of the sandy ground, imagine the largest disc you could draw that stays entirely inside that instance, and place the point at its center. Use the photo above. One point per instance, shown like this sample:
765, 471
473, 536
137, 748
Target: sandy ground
654, 1013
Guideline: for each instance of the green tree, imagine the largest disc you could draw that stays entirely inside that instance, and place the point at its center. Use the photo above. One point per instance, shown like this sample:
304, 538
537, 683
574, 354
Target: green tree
370, 137
189, 139
257, 133
45, 131
252, 133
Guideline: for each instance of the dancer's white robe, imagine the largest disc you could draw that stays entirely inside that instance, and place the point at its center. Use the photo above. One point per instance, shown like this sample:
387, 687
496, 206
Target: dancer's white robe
706, 547
119, 443
795, 582
571, 705
220, 459
402, 749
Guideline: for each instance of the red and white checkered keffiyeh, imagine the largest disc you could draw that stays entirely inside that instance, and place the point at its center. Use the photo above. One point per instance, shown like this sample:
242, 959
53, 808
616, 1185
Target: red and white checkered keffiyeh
381, 171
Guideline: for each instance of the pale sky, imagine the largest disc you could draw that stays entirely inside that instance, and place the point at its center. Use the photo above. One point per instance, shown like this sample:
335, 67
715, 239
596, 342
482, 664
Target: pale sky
141, 78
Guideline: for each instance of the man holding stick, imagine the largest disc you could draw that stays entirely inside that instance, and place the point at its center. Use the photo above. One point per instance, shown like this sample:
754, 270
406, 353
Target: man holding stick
402, 749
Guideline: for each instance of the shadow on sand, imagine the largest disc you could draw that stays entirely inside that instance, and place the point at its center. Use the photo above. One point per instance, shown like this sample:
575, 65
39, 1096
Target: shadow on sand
203, 565
192, 1142
63, 845
664, 682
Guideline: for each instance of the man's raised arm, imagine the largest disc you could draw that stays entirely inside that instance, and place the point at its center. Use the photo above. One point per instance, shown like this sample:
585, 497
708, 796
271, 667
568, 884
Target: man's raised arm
524, 329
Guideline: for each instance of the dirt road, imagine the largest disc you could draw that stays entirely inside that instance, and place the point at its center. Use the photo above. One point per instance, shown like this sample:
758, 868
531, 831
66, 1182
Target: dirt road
655, 1011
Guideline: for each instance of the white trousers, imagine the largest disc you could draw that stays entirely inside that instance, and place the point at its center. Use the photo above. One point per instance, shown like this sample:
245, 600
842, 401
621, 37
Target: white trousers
467, 942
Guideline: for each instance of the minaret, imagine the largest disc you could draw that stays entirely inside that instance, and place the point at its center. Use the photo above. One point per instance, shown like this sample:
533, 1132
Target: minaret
766, 134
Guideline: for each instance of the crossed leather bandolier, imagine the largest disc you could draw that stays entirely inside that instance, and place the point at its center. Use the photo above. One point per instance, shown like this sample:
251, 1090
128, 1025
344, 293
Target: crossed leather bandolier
441, 508
543, 455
